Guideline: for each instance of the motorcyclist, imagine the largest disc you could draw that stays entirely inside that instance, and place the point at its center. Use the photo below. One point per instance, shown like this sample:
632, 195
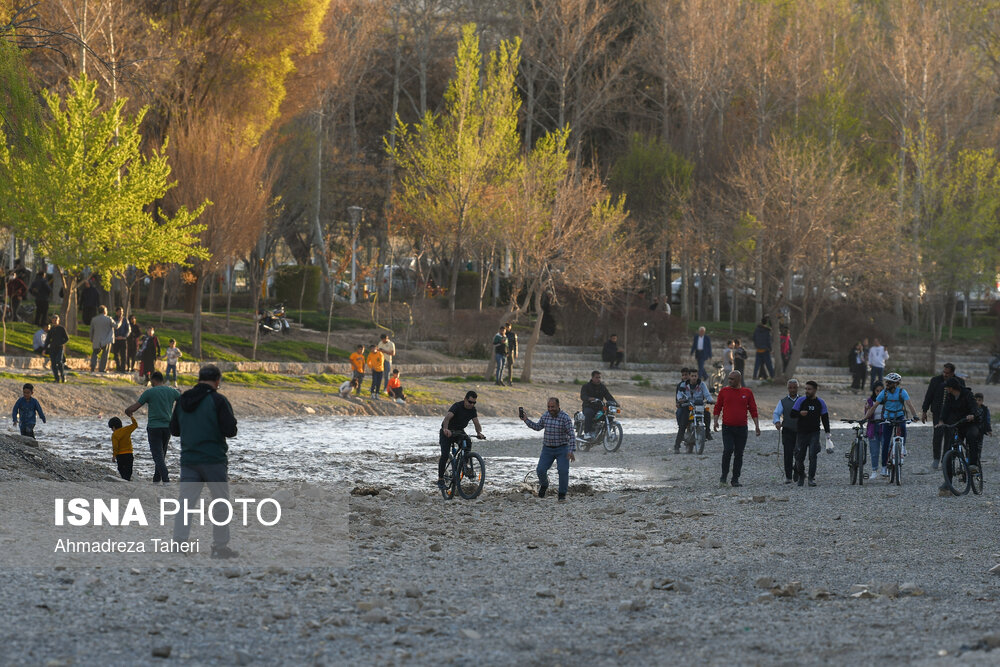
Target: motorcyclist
592, 394
698, 393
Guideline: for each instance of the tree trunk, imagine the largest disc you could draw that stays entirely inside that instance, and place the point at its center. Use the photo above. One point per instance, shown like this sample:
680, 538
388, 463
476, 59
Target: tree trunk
69, 302
199, 290
320, 241
456, 259
536, 331
229, 292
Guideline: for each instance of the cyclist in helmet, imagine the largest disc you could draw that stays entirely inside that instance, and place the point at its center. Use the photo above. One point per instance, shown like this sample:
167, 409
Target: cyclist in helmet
894, 401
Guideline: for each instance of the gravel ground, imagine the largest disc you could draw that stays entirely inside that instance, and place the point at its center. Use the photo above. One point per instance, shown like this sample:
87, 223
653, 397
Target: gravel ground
674, 567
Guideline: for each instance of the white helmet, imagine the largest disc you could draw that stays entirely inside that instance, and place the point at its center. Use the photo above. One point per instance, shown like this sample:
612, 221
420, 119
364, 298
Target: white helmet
894, 377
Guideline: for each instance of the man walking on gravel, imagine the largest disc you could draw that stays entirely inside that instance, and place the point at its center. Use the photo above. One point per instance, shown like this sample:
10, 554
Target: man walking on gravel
203, 419
934, 399
558, 444
812, 412
160, 398
733, 403
786, 421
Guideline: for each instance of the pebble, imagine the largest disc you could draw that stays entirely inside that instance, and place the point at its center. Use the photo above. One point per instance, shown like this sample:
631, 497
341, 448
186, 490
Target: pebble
435, 547
242, 658
710, 543
413, 593
471, 634
631, 605
995, 569
602, 543
765, 582
231, 572
162, 651
375, 616
910, 588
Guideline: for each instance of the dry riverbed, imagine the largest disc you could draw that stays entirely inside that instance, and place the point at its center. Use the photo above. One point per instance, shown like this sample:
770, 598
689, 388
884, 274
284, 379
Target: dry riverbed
666, 568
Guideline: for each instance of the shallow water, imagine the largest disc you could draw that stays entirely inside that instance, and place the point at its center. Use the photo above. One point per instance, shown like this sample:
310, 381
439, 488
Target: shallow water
399, 452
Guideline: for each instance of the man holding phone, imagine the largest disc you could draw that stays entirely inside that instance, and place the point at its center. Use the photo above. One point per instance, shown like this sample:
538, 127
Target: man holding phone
558, 444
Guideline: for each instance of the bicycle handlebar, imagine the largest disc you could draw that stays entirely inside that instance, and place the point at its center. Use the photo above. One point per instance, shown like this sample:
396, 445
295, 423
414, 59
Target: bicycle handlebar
955, 425
859, 422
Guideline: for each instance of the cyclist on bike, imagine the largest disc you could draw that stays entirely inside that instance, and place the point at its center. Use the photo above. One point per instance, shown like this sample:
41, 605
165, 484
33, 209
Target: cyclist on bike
960, 406
591, 395
458, 417
894, 401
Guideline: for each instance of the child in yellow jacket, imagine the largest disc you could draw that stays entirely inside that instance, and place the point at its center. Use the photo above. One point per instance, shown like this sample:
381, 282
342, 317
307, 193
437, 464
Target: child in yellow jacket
121, 446
376, 362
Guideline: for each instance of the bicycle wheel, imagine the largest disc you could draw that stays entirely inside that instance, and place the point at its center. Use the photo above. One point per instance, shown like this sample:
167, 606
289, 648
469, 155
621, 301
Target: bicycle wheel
956, 473
449, 479
976, 479
897, 462
852, 464
613, 438
859, 446
699, 439
472, 476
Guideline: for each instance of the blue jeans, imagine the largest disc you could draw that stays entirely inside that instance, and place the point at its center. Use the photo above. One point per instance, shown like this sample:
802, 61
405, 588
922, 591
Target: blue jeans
58, 370
887, 432
159, 438
171, 371
734, 441
501, 359
806, 443
763, 360
386, 373
702, 373
874, 444
193, 479
376, 383
876, 375
682, 415
561, 456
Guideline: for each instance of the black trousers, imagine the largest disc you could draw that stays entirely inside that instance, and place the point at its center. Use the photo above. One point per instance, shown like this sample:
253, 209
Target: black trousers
118, 349
734, 441
125, 465
788, 441
806, 442
41, 312
938, 437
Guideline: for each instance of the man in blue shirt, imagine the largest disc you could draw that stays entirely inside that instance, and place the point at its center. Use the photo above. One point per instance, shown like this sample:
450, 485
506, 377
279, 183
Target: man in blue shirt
558, 444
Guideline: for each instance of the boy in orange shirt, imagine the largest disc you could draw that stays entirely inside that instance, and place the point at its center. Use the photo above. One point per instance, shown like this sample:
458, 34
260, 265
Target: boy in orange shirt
396, 387
358, 368
121, 446
376, 362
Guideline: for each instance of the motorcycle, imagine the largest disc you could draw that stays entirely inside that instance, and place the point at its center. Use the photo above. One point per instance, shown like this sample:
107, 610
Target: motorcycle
993, 377
273, 321
718, 379
607, 429
694, 435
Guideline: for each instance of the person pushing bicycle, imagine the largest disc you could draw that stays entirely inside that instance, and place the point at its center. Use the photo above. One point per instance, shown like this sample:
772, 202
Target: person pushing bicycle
960, 406
894, 401
458, 417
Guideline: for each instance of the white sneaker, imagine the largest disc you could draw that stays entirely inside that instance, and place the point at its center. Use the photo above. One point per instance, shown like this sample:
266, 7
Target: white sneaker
874, 475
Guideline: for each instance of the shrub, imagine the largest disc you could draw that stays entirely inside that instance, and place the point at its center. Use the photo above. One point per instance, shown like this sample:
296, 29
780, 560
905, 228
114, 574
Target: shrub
288, 286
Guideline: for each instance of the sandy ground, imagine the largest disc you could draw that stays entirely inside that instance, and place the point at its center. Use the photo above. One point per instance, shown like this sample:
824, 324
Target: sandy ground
671, 567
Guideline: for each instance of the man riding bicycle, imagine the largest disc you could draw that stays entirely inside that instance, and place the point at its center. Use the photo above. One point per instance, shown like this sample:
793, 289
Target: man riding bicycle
894, 401
591, 395
960, 406
458, 417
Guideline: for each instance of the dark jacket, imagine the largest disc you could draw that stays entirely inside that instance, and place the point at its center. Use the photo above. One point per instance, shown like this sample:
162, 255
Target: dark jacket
40, 289
762, 337
956, 409
511, 343
203, 425
90, 297
590, 391
706, 353
56, 339
934, 397
610, 351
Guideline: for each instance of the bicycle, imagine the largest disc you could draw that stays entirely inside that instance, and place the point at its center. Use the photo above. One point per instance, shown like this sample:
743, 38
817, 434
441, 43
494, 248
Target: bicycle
956, 467
465, 472
856, 456
897, 450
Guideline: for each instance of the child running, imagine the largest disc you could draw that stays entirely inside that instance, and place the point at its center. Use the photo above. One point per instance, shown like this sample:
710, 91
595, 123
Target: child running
121, 446
25, 409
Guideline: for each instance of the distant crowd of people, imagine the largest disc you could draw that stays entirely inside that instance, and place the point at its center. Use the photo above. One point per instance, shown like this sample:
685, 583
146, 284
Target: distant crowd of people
379, 362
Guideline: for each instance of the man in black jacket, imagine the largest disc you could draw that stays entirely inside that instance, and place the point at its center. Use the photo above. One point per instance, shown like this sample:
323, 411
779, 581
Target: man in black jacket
42, 291
960, 406
203, 419
610, 353
90, 299
591, 395
934, 399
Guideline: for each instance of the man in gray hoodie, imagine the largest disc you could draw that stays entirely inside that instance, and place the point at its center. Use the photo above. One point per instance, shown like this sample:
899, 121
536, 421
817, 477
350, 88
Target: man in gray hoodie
102, 334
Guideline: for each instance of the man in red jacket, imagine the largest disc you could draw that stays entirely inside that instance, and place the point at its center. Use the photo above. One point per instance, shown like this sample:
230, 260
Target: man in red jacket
734, 402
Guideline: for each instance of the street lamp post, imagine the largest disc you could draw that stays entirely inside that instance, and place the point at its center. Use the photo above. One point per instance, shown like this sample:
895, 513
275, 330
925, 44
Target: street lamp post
354, 213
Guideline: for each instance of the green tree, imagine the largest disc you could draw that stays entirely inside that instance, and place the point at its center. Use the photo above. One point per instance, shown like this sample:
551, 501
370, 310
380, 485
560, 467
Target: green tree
656, 181
86, 198
455, 163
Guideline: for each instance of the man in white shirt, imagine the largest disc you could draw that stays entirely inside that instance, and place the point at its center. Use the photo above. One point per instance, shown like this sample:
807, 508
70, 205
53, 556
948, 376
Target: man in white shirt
388, 350
877, 356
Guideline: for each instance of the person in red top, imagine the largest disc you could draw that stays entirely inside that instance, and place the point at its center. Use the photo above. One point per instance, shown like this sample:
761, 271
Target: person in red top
734, 402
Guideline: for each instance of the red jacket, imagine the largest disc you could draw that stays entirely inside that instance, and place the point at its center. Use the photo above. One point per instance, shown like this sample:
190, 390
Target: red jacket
734, 403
